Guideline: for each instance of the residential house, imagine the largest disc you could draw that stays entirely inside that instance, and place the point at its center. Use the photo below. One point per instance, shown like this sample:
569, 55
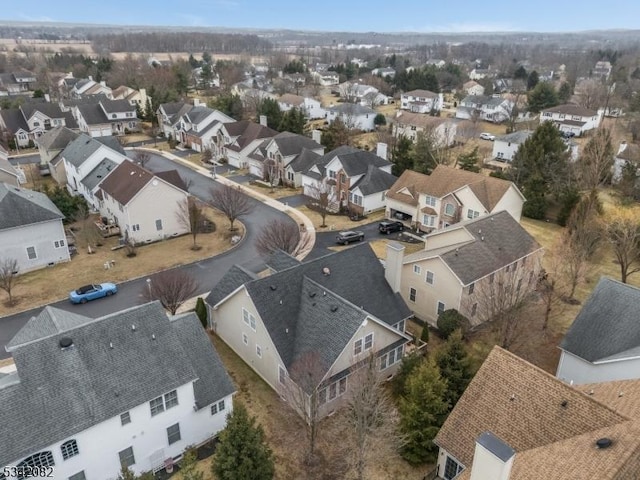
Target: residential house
506, 146
107, 117
9, 174
596, 348
410, 124
493, 109
323, 76
273, 154
365, 95
353, 116
31, 120
235, 141
436, 62
311, 107
384, 72
300, 164
358, 180
168, 115
297, 79
358, 62
196, 128
473, 88
463, 265
628, 153
602, 69
134, 97
480, 73
134, 388
572, 118
31, 230
312, 312
50, 145
146, 206
421, 101
82, 156
517, 422
16, 83
448, 195
87, 87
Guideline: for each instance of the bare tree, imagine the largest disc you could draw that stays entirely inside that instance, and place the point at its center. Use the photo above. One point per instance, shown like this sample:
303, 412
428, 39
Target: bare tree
323, 200
282, 235
232, 202
9, 277
591, 93
171, 287
622, 230
142, 158
371, 418
596, 160
88, 233
191, 216
270, 171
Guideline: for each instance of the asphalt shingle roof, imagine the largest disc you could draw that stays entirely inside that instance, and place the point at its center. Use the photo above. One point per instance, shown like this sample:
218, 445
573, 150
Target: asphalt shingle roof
92, 114
235, 277
80, 149
110, 369
19, 206
568, 109
293, 143
375, 181
14, 120
305, 160
280, 260
125, 181
57, 138
117, 106
518, 137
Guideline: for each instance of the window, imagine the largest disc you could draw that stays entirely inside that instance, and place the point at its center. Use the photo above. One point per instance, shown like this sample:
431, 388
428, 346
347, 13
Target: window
472, 288
342, 385
400, 326
357, 347
368, 341
343, 178
258, 351
173, 433
392, 357
159, 224
69, 449
333, 391
171, 399
58, 243
449, 209
125, 418
31, 253
429, 278
136, 227
332, 174
416, 269
412, 294
113, 115
429, 200
245, 339
451, 469
441, 307
40, 459
474, 309
471, 214
157, 406
78, 476
249, 319
217, 407
429, 220
126, 457
356, 199
282, 375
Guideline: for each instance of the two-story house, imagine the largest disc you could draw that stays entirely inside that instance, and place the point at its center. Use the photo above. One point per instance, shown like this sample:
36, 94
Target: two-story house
361, 94
134, 97
421, 101
384, 72
235, 141
323, 76
132, 388
409, 124
168, 115
493, 109
358, 180
31, 230
466, 264
147, 207
50, 145
354, 116
472, 88
106, 117
31, 120
196, 128
572, 118
449, 195
311, 107
312, 311
506, 146
87, 87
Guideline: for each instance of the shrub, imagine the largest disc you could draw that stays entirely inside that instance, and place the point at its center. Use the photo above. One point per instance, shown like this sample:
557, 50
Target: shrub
424, 336
201, 312
380, 119
449, 321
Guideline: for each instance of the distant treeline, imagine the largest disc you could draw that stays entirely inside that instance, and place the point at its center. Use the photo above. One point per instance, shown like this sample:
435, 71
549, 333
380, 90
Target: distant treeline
156, 42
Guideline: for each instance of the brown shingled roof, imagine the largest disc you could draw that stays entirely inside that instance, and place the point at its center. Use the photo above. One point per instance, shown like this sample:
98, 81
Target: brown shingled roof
421, 120
291, 99
125, 181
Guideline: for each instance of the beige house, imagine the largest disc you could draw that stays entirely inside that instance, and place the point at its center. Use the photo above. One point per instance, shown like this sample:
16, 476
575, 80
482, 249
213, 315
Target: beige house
476, 267
8, 173
410, 124
517, 422
449, 195
313, 319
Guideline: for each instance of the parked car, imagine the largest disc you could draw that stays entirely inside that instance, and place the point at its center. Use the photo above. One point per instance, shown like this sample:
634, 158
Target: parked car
92, 292
390, 227
566, 134
348, 236
487, 136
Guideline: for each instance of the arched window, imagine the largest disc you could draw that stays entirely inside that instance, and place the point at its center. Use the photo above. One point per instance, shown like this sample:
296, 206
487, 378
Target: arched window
40, 459
69, 449
114, 116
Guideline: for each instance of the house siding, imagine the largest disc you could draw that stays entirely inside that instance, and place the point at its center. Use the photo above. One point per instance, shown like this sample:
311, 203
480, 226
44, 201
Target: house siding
512, 202
573, 369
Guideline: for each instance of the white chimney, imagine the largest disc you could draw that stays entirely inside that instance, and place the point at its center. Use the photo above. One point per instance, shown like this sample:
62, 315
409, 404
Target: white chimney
47, 97
103, 83
90, 78
381, 150
492, 459
622, 148
263, 120
316, 135
393, 265
196, 102
440, 101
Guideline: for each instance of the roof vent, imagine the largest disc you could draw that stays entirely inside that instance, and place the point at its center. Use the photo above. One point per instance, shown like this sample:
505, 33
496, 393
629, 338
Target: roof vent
334, 308
513, 397
273, 287
133, 328
132, 173
312, 294
564, 403
603, 443
111, 345
326, 271
482, 238
281, 302
286, 330
324, 294
620, 394
479, 230
65, 342
153, 336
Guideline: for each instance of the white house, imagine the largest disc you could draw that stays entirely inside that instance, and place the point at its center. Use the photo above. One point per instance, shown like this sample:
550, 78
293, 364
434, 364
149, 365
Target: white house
196, 128
506, 146
168, 115
572, 118
628, 153
472, 88
421, 101
353, 116
410, 124
8, 173
322, 76
31, 229
88, 87
133, 96
493, 109
366, 95
106, 117
235, 141
32, 120
311, 107
147, 207
480, 73
132, 388
384, 72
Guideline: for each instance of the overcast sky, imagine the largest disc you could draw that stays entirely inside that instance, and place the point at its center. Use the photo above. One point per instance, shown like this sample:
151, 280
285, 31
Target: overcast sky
349, 15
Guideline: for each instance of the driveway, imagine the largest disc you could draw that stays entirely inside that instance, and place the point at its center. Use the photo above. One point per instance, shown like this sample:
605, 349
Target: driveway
295, 200
327, 239
207, 272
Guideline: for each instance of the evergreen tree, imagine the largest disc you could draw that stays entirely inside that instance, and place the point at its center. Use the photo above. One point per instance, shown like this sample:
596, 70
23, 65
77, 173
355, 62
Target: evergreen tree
380, 119
193, 62
423, 409
270, 108
541, 97
564, 92
455, 367
470, 161
293, 121
425, 153
336, 135
139, 112
228, 104
520, 73
419, 78
409, 363
201, 311
206, 58
532, 80
402, 156
242, 453
206, 75
149, 115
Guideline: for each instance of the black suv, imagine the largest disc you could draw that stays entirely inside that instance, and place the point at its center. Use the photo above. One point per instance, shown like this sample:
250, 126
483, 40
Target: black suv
390, 227
345, 238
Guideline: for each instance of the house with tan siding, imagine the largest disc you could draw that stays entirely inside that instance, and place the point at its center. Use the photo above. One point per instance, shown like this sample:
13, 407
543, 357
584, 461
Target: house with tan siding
313, 310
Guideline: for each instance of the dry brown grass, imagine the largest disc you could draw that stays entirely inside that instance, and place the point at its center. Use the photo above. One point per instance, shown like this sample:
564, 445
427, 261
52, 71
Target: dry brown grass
54, 283
136, 137
380, 247
275, 192
338, 222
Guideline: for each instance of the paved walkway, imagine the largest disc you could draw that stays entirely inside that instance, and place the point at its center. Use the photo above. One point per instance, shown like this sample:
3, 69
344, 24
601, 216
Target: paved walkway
308, 231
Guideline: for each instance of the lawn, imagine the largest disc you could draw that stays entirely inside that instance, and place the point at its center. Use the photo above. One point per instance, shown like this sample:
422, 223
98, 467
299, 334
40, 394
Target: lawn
275, 192
339, 222
54, 283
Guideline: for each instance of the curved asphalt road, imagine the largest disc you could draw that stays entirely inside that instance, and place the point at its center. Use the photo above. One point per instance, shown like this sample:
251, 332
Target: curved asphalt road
207, 272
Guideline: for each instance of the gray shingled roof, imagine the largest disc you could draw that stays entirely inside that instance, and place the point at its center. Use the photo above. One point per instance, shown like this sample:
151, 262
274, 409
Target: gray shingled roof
95, 176
14, 120
358, 161
117, 106
112, 142
92, 114
608, 324
19, 206
499, 241
293, 143
63, 392
484, 100
305, 160
81, 148
57, 138
199, 113
51, 110
280, 260
235, 277
375, 181
516, 137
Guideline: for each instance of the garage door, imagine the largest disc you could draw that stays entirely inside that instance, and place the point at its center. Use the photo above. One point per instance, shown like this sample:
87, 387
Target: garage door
255, 170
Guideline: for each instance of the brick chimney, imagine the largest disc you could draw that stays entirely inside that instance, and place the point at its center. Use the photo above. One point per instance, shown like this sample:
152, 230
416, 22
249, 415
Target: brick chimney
393, 265
381, 150
492, 459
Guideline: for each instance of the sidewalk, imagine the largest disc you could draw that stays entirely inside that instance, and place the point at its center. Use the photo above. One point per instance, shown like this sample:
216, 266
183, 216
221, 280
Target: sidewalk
307, 237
